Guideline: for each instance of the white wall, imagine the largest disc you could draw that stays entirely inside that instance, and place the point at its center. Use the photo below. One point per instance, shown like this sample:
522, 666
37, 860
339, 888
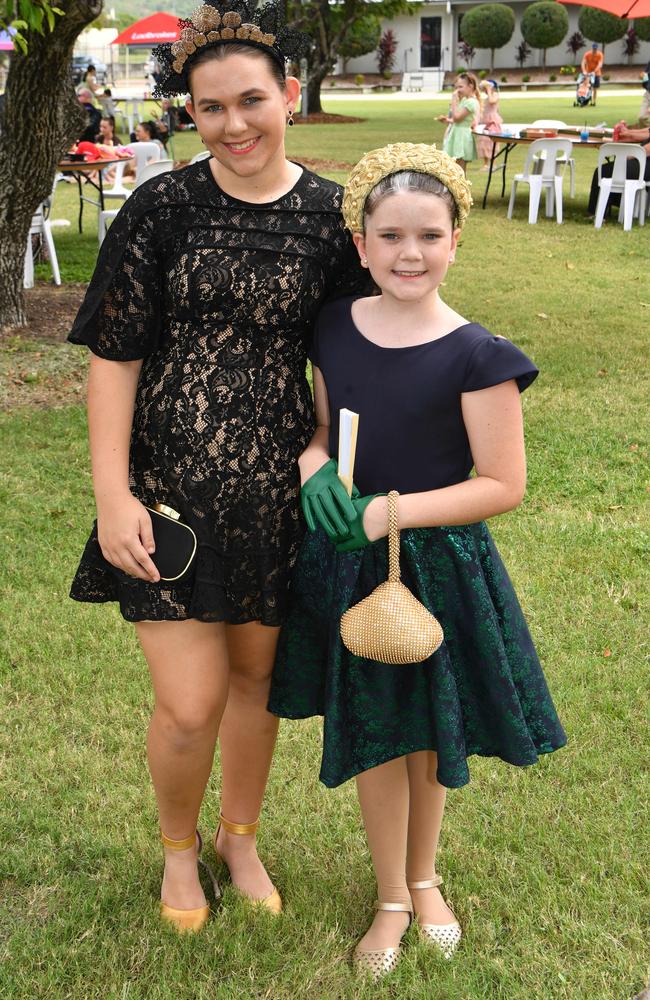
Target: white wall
407, 30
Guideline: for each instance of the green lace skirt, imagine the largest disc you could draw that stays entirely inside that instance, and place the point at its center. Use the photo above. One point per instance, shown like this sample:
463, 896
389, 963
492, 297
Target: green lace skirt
483, 692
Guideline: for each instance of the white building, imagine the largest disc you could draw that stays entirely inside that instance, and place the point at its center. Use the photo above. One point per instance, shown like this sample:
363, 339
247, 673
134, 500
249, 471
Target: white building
428, 42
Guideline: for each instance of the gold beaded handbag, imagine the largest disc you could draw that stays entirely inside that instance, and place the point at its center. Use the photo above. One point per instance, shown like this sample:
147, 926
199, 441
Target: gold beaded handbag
391, 625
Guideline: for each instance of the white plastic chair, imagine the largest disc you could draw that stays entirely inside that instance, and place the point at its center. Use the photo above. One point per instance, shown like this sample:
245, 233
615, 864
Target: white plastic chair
203, 155
632, 191
42, 227
118, 190
148, 171
556, 123
550, 179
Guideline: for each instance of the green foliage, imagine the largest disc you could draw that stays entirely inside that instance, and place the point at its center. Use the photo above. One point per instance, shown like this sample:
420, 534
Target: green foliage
544, 24
488, 26
600, 26
34, 15
642, 28
362, 37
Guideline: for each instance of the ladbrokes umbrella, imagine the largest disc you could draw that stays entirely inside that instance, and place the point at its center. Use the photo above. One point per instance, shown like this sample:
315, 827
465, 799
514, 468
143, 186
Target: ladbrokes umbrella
621, 8
150, 31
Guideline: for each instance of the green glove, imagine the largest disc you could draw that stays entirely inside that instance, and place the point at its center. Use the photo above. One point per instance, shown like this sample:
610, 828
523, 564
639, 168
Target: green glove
325, 501
357, 538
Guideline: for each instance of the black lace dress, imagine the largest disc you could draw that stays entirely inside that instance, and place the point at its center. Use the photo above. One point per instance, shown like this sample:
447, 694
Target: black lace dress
219, 298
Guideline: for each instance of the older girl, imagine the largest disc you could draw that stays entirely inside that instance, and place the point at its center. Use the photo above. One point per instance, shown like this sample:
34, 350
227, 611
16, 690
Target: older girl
198, 318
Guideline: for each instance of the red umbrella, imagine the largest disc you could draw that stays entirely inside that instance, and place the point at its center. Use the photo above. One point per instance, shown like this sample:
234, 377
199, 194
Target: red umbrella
621, 8
150, 31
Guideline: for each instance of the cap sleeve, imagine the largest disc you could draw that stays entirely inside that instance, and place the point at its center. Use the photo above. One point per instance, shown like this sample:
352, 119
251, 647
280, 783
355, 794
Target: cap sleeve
119, 318
494, 360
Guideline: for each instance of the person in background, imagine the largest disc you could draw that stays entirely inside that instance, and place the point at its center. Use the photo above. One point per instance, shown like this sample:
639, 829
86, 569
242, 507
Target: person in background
145, 132
644, 113
89, 82
592, 62
107, 134
625, 134
464, 113
491, 120
107, 103
93, 115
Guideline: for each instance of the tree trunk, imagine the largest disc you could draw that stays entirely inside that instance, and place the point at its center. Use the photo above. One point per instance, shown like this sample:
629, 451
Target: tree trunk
316, 76
41, 117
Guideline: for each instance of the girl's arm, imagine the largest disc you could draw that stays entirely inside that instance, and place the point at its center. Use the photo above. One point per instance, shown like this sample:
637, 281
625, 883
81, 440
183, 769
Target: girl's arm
458, 113
123, 523
494, 424
316, 454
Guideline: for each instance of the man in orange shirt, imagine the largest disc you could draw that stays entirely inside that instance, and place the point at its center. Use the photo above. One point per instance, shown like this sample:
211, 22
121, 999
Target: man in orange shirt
592, 62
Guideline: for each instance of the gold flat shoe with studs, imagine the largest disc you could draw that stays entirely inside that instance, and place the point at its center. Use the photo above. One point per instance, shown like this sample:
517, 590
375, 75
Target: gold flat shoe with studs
382, 961
446, 937
185, 921
272, 902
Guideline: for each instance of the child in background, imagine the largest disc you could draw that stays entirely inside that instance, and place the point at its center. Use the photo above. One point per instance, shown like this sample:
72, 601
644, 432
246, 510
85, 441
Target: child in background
491, 120
464, 114
437, 395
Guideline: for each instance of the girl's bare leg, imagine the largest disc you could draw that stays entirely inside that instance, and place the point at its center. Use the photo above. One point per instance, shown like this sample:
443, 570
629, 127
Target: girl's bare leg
463, 165
247, 739
426, 809
188, 662
384, 798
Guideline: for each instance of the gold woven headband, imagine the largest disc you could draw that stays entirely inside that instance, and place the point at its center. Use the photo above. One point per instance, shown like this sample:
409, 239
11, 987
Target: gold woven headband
391, 159
208, 25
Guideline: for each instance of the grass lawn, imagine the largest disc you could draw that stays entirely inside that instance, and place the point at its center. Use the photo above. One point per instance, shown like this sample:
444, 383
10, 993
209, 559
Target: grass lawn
545, 867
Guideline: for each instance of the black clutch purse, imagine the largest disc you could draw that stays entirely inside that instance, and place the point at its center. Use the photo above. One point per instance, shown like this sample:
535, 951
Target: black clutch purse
175, 542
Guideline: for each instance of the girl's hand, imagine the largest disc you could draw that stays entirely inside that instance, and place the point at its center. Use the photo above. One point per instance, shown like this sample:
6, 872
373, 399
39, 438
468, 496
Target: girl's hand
375, 519
126, 537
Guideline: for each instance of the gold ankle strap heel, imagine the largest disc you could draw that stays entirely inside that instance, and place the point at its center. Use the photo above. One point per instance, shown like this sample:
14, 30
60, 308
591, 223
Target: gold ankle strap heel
446, 937
272, 902
188, 920
382, 961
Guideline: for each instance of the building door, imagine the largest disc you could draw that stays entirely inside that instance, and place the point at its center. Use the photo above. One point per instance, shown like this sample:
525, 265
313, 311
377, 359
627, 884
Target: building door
430, 40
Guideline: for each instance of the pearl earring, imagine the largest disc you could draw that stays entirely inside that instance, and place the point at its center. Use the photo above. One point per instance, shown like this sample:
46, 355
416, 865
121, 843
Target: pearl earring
364, 261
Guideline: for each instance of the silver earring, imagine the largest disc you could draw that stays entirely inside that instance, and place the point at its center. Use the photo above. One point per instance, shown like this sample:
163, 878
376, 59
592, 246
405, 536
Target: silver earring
290, 120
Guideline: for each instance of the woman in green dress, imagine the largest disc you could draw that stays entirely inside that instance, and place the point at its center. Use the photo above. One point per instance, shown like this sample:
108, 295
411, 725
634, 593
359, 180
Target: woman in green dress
465, 110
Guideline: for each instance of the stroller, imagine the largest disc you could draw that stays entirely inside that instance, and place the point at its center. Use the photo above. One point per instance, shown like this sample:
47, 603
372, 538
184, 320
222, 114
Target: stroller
584, 90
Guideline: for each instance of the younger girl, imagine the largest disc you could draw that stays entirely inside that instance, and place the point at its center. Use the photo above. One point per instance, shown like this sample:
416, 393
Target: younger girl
491, 120
464, 113
437, 395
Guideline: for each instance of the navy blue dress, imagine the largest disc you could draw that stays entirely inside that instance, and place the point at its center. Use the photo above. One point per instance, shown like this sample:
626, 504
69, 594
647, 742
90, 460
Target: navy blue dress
483, 692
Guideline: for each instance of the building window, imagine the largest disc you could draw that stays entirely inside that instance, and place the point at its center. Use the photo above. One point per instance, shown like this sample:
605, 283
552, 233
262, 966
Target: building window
430, 38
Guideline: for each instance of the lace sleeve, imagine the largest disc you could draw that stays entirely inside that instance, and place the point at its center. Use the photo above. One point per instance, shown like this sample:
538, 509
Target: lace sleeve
119, 318
349, 277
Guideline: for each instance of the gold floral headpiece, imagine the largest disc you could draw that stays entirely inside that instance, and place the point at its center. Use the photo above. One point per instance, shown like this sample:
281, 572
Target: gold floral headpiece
217, 23
394, 158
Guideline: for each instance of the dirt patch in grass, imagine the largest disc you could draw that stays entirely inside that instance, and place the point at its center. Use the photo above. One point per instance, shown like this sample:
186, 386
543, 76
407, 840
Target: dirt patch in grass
37, 367
320, 118
323, 165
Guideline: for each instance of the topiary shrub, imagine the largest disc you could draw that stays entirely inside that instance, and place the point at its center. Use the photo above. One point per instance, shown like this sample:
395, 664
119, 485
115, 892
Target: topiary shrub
552, 78
488, 26
504, 79
600, 26
544, 25
359, 79
525, 78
